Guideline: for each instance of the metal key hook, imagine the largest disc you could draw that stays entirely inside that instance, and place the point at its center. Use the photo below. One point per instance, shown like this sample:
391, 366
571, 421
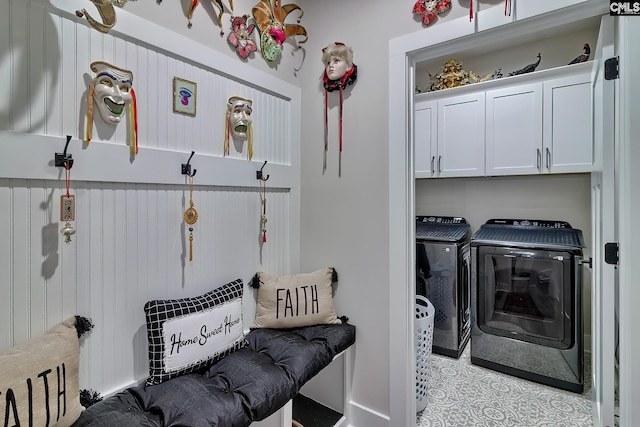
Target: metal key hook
64, 160
260, 174
186, 167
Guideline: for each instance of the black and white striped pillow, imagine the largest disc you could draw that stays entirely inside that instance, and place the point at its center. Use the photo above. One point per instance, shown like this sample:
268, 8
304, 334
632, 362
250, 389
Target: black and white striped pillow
187, 334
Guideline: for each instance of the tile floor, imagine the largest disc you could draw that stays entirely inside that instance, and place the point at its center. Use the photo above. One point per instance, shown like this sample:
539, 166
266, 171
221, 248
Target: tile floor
461, 394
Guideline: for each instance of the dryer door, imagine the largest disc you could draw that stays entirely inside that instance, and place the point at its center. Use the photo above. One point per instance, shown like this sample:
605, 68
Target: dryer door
527, 294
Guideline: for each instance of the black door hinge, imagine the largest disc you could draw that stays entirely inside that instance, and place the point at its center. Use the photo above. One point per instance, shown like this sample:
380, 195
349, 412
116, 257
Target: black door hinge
611, 253
611, 68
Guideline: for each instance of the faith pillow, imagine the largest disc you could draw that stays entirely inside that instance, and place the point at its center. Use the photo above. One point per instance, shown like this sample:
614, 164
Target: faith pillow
295, 301
39, 379
189, 333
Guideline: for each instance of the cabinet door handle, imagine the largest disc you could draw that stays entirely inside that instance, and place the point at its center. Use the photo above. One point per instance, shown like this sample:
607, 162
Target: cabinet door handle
433, 159
439, 161
548, 158
538, 158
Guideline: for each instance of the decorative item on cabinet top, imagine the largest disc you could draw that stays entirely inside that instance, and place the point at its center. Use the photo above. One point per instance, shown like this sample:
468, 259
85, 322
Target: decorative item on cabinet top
586, 51
453, 75
528, 68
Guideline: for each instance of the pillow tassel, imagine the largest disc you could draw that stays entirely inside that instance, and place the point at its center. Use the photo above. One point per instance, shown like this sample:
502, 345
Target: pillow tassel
334, 275
344, 319
83, 325
255, 281
89, 397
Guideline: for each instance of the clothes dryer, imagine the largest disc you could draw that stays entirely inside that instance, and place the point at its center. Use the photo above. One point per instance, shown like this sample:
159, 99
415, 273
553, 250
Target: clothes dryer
526, 300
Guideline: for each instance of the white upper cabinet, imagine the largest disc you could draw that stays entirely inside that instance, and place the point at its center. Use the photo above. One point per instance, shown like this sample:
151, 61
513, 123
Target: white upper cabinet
514, 130
461, 127
567, 135
526, 9
494, 14
426, 139
532, 124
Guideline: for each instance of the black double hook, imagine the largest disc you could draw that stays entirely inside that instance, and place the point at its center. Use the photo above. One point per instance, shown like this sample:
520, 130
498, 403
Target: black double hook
260, 175
186, 167
64, 160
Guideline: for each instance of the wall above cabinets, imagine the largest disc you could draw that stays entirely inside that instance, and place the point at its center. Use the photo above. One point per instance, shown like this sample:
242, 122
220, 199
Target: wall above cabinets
529, 124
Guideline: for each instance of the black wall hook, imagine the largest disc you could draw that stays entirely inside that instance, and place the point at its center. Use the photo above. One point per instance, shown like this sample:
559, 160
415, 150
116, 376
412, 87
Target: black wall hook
186, 167
260, 175
64, 160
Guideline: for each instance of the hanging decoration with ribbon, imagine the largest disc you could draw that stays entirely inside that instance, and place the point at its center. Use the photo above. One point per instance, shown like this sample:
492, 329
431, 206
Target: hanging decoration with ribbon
263, 216
339, 72
191, 216
507, 8
67, 206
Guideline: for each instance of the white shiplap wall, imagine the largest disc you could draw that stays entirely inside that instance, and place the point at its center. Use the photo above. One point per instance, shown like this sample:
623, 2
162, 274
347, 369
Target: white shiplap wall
131, 243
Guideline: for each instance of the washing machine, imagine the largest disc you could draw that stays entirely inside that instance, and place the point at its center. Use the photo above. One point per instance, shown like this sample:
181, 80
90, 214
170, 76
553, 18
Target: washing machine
442, 276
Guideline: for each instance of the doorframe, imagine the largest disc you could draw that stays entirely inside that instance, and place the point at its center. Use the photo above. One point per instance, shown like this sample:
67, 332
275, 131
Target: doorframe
404, 51
628, 111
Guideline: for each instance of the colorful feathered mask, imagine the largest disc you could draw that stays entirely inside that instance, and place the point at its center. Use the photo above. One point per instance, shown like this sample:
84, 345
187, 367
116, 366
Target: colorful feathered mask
240, 36
273, 30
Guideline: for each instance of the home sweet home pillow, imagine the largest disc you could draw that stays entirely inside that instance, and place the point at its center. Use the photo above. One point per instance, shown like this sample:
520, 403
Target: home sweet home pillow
189, 333
295, 300
39, 383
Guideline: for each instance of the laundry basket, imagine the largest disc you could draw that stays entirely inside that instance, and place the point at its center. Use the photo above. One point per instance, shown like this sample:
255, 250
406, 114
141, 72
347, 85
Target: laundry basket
425, 314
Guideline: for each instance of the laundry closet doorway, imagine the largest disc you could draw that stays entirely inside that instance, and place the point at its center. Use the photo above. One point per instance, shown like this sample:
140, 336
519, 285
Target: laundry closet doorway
405, 53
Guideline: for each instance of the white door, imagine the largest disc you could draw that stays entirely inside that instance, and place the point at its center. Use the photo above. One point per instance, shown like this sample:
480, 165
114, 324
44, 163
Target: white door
604, 276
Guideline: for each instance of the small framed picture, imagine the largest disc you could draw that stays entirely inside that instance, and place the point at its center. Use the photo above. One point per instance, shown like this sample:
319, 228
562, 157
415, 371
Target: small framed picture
184, 96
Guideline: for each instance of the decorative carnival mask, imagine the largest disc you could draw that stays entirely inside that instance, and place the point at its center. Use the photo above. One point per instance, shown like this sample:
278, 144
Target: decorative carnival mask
430, 9
240, 36
339, 72
273, 30
194, 3
112, 91
238, 122
107, 14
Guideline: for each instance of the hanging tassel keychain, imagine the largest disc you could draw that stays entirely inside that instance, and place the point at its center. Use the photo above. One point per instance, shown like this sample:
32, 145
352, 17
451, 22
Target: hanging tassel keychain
507, 7
263, 217
190, 217
67, 207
